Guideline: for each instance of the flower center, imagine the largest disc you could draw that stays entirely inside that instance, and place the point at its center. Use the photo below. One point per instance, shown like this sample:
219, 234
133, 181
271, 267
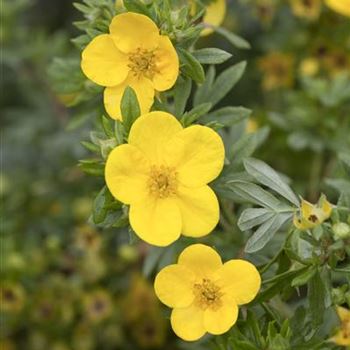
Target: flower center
162, 181
207, 295
142, 63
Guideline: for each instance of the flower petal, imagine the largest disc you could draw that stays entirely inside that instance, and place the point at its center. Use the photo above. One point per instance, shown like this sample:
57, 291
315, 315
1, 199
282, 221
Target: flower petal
240, 280
126, 174
103, 63
200, 259
167, 63
221, 320
202, 156
187, 323
156, 221
214, 15
131, 31
174, 286
144, 91
199, 209
340, 6
151, 132
343, 313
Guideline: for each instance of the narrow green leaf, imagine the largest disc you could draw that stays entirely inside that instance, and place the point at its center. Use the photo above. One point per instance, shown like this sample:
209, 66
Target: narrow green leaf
182, 91
107, 126
225, 82
304, 277
211, 55
316, 298
130, 108
269, 177
191, 116
252, 217
228, 116
203, 92
266, 232
234, 39
137, 6
190, 66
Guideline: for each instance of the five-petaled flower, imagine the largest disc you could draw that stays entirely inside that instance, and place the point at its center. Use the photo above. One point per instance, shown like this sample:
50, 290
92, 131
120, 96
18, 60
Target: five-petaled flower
312, 215
162, 173
342, 337
205, 293
133, 54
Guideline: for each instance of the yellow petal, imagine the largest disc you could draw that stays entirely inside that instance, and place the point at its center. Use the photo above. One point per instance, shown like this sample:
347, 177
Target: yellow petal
326, 208
203, 155
240, 280
126, 174
200, 259
340, 339
131, 31
301, 223
174, 286
343, 313
167, 63
340, 6
143, 88
103, 63
187, 323
152, 131
156, 221
307, 209
220, 320
199, 210
214, 15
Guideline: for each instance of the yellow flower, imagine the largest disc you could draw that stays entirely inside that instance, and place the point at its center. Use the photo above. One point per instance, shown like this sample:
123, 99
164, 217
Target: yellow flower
252, 126
133, 54
312, 215
12, 297
309, 67
342, 337
214, 15
98, 305
162, 173
340, 6
310, 9
277, 69
205, 293
87, 239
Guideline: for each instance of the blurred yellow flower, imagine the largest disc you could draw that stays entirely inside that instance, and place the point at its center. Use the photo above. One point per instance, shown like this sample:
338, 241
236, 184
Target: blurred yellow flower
98, 305
277, 69
336, 62
162, 173
133, 54
11, 297
205, 293
340, 6
309, 67
252, 126
214, 15
312, 215
342, 337
309, 9
87, 239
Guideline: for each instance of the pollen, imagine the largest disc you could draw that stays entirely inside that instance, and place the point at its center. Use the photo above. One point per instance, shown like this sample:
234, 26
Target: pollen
207, 295
162, 181
143, 63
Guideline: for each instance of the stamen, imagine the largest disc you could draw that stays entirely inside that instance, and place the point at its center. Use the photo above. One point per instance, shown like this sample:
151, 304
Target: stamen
162, 181
207, 295
142, 63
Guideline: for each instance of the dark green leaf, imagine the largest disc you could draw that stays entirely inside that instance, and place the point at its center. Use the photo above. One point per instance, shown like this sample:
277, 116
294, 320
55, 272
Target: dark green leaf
130, 108
190, 66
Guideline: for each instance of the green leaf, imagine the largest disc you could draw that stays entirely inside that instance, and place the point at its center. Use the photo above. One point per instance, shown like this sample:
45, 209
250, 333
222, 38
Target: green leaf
190, 66
228, 116
234, 39
266, 232
246, 146
189, 117
254, 194
211, 55
182, 91
137, 6
130, 108
304, 277
92, 167
107, 126
203, 92
90, 146
99, 208
269, 177
252, 217
225, 82
316, 298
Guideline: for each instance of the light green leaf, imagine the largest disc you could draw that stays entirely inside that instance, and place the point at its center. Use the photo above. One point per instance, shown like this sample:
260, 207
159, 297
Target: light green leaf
190, 66
211, 55
234, 39
130, 108
228, 116
182, 92
253, 217
269, 177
